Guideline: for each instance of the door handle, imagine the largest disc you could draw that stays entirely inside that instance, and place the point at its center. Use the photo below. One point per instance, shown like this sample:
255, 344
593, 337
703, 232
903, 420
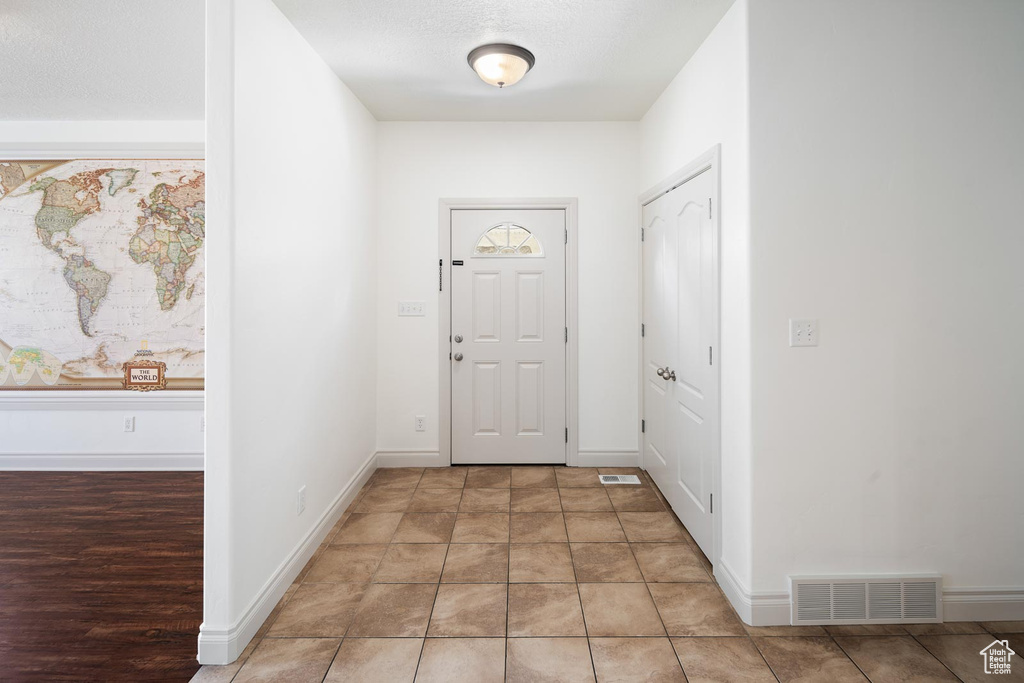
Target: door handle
457, 356
666, 373
458, 339
661, 372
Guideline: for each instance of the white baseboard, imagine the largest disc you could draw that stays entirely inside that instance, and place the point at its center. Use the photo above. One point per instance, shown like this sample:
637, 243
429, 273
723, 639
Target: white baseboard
418, 458
755, 609
102, 462
983, 604
223, 646
615, 458
410, 458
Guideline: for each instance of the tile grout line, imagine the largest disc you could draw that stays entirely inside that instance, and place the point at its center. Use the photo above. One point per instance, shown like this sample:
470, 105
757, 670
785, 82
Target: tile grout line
763, 658
508, 574
327, 671
925, 647
423, 644
579, 595
430, 617
848, 657
508, 585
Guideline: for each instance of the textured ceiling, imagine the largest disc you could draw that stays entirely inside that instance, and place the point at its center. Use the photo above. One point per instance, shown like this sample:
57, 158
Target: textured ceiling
112, 59
596, 59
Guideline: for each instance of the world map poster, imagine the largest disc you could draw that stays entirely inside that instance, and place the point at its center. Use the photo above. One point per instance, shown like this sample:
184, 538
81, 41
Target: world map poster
101, 259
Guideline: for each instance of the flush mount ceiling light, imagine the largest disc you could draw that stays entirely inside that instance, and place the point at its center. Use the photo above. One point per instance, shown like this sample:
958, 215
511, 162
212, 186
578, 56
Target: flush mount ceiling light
500, 64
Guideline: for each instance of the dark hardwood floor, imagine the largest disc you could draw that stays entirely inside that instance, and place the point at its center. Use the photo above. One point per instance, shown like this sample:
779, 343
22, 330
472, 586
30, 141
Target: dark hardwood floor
100, 575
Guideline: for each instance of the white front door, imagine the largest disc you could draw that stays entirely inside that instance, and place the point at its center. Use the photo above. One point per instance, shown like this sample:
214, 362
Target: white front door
680, 331
508, 332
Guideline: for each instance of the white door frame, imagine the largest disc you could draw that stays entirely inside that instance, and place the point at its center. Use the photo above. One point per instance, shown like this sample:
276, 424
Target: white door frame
709, 162
444, 249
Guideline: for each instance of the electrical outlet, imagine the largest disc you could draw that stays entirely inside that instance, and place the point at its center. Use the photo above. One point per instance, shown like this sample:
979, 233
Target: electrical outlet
421, 423
129, 423
410, 308
803, 332
300, 501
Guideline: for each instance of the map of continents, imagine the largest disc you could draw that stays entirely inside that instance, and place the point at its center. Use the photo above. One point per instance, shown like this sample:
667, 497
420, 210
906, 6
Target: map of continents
98, 259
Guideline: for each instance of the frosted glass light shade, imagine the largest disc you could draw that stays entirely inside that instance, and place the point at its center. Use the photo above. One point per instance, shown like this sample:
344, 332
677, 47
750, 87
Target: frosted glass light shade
501, 65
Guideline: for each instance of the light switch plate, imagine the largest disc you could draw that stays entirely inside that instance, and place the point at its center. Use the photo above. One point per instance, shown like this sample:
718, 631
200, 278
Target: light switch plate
803, 332
410, 308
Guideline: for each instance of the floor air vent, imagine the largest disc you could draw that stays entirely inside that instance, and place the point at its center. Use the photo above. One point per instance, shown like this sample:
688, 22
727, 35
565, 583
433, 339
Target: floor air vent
619, 479
866, 599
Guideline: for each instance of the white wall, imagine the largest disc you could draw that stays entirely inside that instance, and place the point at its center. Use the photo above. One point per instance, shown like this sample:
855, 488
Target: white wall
706, 105
84, 430
292, 312
420, 163
887, 163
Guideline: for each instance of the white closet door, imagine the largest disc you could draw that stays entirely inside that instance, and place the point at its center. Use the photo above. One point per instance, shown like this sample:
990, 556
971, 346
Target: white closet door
660, 291
681, 383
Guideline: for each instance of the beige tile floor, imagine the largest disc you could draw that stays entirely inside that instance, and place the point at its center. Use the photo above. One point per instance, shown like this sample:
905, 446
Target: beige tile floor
541, 574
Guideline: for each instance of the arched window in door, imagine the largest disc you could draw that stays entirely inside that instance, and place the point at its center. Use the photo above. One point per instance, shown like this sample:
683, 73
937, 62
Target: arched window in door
508, 239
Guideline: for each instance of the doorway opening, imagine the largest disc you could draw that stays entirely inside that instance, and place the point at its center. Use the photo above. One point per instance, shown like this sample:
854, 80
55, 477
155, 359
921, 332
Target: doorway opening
507, 337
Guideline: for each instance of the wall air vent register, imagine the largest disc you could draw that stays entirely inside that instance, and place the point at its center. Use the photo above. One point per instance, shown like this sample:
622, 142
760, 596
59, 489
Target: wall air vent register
876, 599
